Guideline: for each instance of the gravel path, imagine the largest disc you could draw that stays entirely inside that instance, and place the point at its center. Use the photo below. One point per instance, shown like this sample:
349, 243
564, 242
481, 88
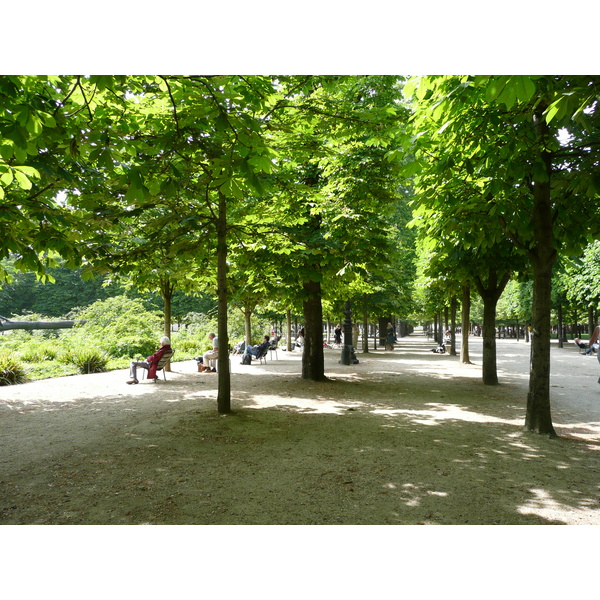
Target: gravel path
404, 437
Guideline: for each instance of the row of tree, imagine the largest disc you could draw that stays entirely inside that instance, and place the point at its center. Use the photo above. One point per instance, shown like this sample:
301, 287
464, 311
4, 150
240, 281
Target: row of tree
507, 182
307, 191
254, 186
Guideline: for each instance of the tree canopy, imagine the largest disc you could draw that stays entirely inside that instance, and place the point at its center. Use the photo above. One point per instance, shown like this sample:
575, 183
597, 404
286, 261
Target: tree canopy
308, 189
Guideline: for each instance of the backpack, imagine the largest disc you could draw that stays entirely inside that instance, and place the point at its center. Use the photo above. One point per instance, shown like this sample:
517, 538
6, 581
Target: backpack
247, 359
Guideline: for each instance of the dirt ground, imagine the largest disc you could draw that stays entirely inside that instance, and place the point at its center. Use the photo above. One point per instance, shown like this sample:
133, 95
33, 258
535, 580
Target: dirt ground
404, 437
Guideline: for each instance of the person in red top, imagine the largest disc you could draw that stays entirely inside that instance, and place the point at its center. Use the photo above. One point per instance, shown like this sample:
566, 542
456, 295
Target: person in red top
150, 363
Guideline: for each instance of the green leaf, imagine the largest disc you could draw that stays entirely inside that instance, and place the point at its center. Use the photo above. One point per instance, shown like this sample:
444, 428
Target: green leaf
508, 96
7, 177
34, 125
494, 88
22, 180
524, 87
557, 109
29, 171
231, 188
48, 120
262, 163
154, 186
6, 151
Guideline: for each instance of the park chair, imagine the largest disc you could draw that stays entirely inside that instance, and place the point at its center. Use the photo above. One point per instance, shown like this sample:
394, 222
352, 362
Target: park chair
262, 357
273, 348
162, 363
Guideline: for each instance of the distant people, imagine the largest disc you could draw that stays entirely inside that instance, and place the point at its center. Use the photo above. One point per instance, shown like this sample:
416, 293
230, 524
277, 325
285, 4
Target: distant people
151, 363
210, 355
259, 349
337, 335
299, 343
239, 347
594, 342
390, 337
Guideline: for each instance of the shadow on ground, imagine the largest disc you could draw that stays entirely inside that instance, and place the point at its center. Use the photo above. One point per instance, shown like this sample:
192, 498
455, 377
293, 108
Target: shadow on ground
395, 440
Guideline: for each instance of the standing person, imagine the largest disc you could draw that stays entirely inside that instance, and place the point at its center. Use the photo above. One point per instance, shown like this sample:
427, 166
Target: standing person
337, 335
299, 340
210, 354
390, 337
150, 363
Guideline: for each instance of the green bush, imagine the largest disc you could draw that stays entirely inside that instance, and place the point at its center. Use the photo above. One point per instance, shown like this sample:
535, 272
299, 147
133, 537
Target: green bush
120, 326
34, 351
89, 360
11, 370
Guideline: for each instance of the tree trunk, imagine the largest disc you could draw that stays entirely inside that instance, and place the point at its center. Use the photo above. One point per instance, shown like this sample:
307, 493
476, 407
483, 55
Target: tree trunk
248, 325
446, 321
466, 318
560, 326
313, 359
288, 335
490, 297
383, 321
543, 255
489, 369
166, 291
365, 340
538, 417
453, 327
224, 379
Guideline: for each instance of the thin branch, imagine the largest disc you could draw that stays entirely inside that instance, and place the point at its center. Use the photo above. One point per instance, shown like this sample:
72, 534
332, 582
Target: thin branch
175, 116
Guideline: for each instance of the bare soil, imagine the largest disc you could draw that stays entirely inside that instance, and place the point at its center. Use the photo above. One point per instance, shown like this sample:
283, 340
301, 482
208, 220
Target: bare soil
404, 437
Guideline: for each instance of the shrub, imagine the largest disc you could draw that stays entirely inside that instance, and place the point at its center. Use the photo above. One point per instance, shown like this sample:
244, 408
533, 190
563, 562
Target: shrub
89, 360
11, 370
120, 326
37, 352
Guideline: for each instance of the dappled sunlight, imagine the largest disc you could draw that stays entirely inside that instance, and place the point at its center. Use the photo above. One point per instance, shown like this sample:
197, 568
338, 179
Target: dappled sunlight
403, 437
312, 405
582, 431
440, 413
543, 505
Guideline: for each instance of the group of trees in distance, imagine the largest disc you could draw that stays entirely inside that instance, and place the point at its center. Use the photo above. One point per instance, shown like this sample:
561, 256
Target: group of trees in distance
405, 195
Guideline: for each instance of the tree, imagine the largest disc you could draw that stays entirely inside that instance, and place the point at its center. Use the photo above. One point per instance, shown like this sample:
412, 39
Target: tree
534, 188
186, 153
583, 275
334, 180
46, 136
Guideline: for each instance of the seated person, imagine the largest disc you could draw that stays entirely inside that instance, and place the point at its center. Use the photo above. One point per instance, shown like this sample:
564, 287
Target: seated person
239, 347
150, 363
259, 349
210, 354
588, 349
